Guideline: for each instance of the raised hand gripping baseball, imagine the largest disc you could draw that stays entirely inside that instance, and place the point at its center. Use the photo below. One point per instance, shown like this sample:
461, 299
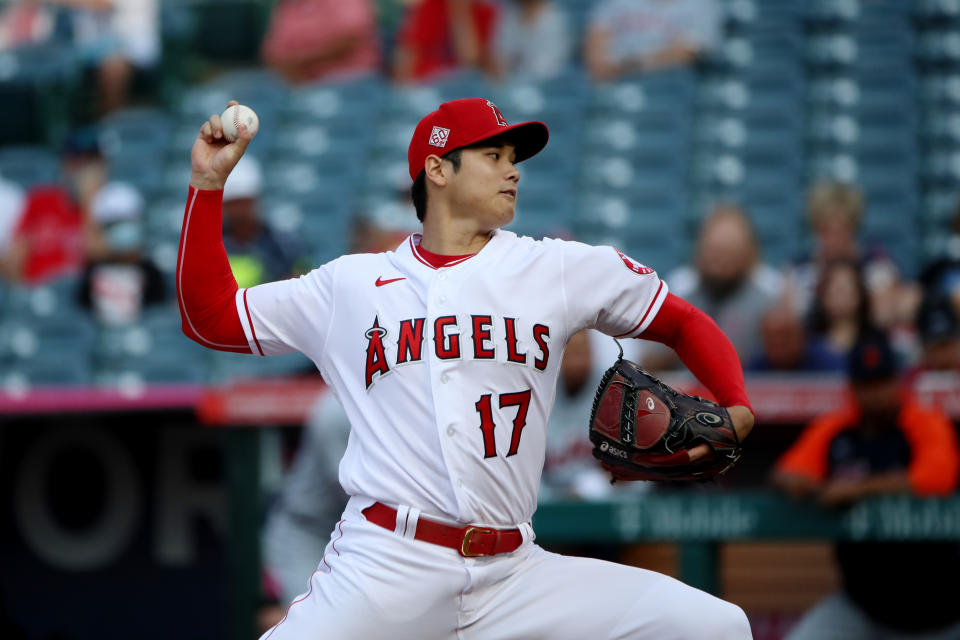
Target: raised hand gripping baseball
213, 157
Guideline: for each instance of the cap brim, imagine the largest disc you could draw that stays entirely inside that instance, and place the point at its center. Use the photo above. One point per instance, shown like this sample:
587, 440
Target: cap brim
529, 138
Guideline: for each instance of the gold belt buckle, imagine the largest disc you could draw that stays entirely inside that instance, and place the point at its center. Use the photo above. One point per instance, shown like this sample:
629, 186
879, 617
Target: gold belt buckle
468, 538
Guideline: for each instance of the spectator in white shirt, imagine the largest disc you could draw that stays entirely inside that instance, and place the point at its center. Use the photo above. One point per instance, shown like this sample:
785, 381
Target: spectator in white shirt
634, 36
532, 40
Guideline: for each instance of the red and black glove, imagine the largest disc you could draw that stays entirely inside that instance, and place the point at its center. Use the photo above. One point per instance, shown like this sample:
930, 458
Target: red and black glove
642, 429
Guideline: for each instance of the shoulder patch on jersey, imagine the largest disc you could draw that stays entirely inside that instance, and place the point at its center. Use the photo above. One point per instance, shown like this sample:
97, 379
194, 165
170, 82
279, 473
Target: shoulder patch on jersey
633, 265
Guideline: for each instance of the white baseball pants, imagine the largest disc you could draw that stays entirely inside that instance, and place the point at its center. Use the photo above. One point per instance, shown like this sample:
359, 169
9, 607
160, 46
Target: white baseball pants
373, 583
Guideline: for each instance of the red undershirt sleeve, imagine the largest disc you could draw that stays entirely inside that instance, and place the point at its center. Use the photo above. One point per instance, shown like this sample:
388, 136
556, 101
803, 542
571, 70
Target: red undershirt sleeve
206, 288
702, 347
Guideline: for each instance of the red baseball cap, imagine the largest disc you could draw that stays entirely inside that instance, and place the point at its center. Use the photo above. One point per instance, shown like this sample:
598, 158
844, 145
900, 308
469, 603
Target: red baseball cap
461, 123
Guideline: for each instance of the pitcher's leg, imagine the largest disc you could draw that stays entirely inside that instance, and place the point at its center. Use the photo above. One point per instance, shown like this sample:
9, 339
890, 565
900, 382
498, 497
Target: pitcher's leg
556, 597
373, 584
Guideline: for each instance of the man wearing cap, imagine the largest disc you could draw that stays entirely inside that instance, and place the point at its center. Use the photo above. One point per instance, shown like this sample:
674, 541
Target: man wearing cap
881, 442
257, 253
445, 354
939, 331
119, 279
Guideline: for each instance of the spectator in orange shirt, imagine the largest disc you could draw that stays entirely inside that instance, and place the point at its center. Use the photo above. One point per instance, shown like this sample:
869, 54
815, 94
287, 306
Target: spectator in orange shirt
882, 442
441, 36
311, 40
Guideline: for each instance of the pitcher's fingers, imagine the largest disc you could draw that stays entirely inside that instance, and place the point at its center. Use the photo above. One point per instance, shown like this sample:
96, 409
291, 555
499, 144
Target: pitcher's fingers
217, 126
243, 137
206, 131
232, 102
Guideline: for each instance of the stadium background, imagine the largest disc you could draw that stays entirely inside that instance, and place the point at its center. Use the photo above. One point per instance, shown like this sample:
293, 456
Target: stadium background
102, 427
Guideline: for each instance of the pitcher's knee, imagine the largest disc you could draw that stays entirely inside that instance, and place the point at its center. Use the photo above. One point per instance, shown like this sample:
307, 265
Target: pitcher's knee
695, 616
734, 624
717, 620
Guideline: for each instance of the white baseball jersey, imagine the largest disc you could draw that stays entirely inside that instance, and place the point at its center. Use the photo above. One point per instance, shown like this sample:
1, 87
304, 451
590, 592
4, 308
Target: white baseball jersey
448, 375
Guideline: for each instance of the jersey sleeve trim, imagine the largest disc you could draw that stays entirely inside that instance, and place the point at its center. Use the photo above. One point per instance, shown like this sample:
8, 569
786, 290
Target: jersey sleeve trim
246, 320
649, 314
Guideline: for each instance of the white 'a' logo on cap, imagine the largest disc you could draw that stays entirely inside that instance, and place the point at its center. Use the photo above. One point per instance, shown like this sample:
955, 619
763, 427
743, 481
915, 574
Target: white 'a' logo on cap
439, 137
500, 119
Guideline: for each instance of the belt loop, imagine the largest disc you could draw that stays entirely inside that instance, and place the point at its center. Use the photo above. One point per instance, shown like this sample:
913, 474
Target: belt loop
412, 519
526, 532
402, 515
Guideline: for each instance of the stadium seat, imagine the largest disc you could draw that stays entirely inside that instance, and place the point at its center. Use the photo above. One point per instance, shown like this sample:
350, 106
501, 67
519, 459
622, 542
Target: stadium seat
355, 99
37, 83
329, 144
28, 166
135, 131
164, 217
936, 12
618, 174
662, 91
46, 373
228, 31
229, 367
60, 340
767, 50
38, 303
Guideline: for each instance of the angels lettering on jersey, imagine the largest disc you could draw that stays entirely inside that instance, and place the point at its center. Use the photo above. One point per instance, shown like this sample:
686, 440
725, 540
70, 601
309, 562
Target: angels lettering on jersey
452, 338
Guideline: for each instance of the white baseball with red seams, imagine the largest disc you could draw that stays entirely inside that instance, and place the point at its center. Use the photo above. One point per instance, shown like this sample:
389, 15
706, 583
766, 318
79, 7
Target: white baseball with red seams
237, 115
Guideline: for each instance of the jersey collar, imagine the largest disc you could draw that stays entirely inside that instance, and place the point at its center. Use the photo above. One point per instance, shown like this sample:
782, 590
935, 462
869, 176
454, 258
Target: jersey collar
410, 249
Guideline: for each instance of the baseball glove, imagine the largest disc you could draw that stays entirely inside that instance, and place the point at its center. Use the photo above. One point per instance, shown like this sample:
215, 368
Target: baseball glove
641, 429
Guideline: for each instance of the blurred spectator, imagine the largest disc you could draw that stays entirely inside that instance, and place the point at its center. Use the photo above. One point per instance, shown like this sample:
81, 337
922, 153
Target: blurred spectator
24, 22
729, 283
83, 166
11, 209
939, 332
257, 253
120, 280
311, 40
835, 212
299, 525
942, 276
441, 36
570, 471
785, 345
631, 36
840, 313
882, 442
52, 230
532, 40
48, 240
115, 37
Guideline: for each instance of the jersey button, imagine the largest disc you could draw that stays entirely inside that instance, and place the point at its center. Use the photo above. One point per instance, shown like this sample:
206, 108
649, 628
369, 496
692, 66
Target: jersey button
451, 431
442, 299
442, 276
444, 379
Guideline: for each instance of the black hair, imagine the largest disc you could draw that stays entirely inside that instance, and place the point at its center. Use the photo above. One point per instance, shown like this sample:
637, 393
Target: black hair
819, 322
418, 192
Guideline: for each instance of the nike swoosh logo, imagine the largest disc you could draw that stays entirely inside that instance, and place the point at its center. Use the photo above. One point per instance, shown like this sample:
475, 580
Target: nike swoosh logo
380, 281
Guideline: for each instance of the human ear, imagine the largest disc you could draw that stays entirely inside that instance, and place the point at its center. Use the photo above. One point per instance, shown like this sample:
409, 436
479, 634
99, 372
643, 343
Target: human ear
434, 170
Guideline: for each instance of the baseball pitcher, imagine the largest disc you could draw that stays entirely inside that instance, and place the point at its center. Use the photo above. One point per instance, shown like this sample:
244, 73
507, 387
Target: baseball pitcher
444, 354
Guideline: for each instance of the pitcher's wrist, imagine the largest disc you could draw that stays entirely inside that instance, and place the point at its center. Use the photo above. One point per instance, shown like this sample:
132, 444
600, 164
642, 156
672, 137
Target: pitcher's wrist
205, 182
